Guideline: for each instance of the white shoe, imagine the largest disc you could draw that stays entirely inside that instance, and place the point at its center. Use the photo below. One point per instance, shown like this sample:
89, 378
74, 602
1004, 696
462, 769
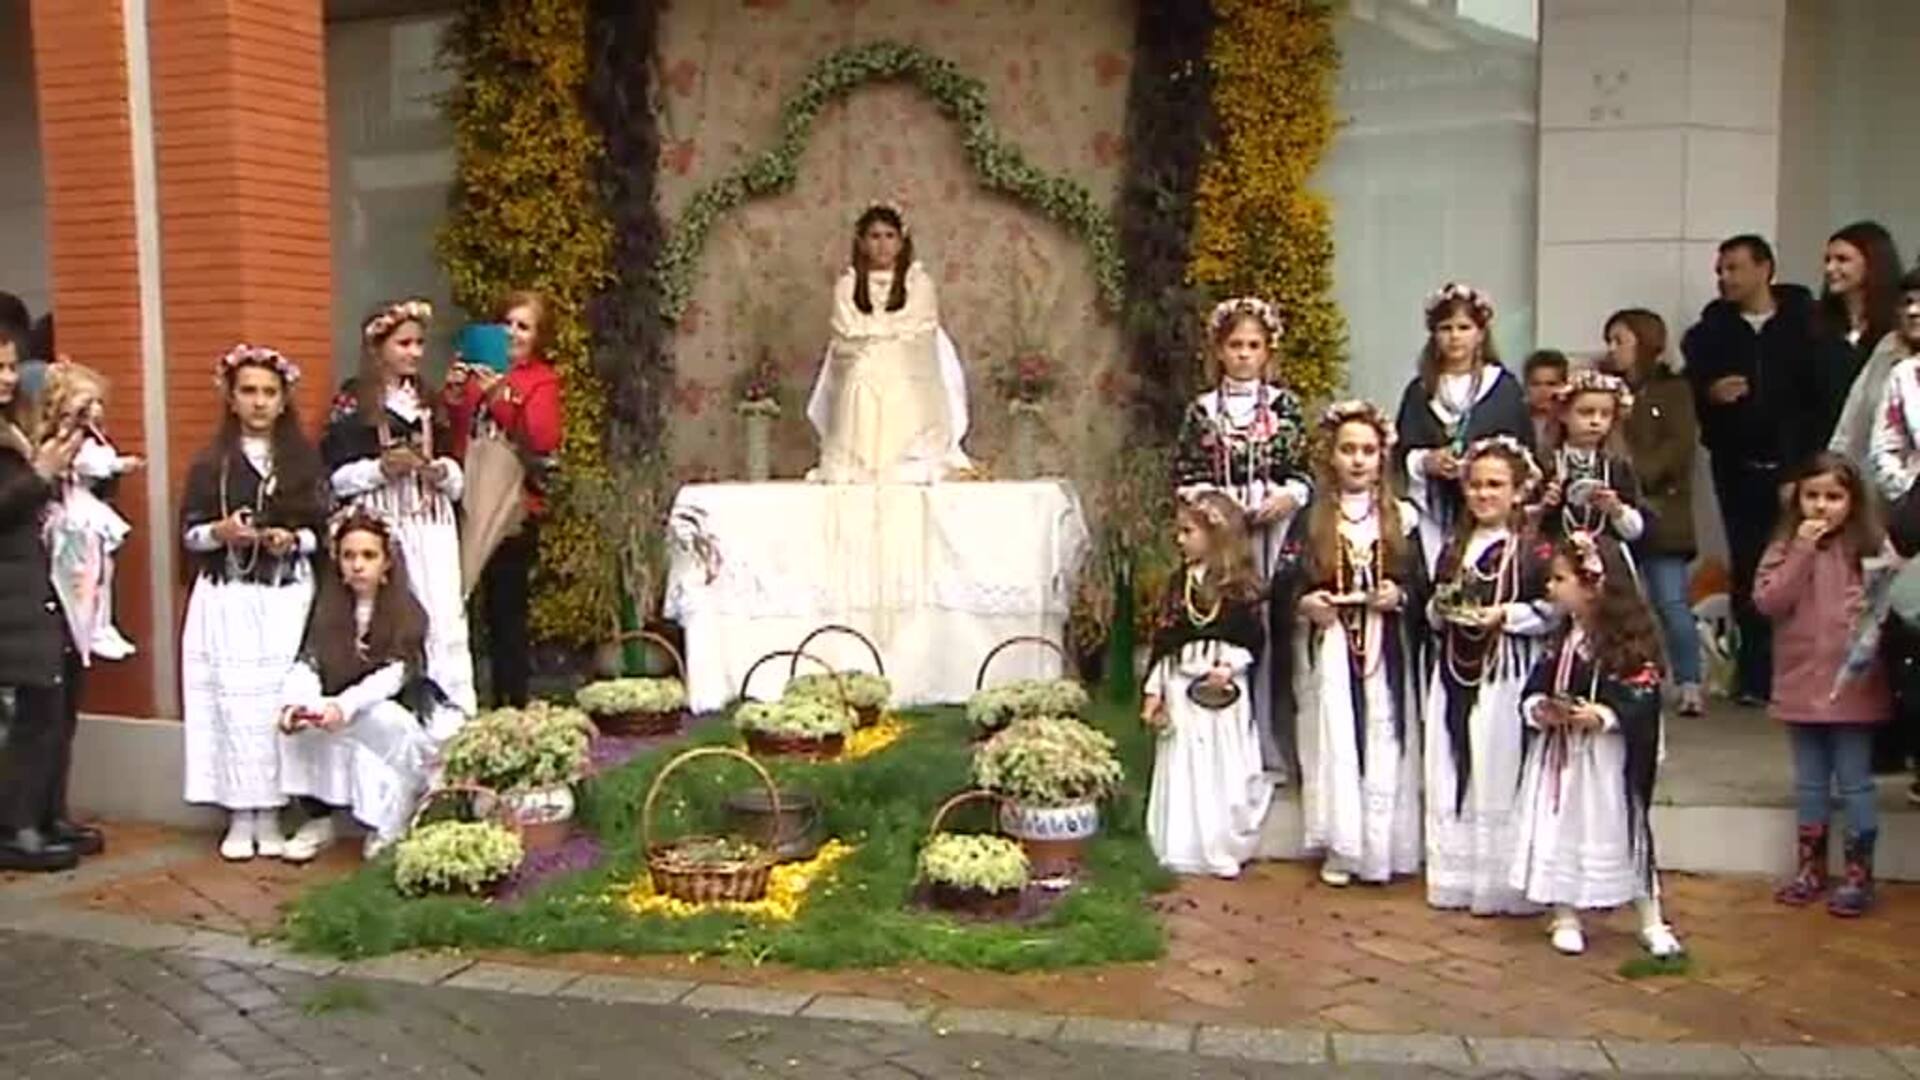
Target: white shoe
309, 840
1335, 876
1567, 938
374, 846
110, 644
1660, 942
237, 845
267, 837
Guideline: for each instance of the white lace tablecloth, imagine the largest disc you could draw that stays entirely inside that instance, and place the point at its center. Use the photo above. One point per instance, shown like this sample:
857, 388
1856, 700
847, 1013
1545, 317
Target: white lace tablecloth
935, 575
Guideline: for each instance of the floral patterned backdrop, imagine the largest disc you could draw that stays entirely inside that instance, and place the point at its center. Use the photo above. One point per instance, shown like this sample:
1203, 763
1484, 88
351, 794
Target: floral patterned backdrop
1009, 280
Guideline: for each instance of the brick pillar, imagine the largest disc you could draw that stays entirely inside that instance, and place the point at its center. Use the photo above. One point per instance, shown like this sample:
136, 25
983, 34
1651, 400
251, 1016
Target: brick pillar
226, 101
86, 142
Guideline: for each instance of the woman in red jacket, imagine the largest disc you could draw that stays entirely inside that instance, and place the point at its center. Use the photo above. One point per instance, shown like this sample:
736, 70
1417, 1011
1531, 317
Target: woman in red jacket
525, 403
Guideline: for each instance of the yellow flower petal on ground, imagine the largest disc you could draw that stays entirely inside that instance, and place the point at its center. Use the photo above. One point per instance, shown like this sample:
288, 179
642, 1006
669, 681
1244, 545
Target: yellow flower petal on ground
871, 740
787, 887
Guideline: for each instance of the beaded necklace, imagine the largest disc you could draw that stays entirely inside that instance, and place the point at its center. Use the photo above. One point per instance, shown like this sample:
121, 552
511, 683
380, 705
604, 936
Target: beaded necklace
1256, 437
1472, 671
1590, 463
1186, 597
261, 493
1361, 572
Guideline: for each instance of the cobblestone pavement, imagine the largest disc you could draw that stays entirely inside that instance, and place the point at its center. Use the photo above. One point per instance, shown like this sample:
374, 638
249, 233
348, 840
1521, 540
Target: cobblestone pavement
79, 1010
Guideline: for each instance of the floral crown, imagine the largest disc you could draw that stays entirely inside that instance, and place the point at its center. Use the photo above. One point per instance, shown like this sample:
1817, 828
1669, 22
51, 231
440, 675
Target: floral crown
1454, 292
1208, 509
1588, 381
358, 519
891, 207
1365, 412
393, 316
244, 355
1587, 562
1228, 312
1507, 446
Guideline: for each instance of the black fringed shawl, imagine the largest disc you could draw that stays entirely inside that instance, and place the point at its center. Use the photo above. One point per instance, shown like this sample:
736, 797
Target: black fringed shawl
1466, 660
1238, 623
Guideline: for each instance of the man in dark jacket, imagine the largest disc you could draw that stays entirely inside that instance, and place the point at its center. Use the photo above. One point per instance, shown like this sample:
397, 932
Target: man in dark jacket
1750, 361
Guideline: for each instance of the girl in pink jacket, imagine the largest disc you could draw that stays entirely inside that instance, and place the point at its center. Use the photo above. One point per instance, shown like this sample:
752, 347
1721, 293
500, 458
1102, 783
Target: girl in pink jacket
1810, 585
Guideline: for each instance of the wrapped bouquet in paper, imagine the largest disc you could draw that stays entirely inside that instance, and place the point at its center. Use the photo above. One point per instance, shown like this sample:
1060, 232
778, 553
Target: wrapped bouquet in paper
1877, 577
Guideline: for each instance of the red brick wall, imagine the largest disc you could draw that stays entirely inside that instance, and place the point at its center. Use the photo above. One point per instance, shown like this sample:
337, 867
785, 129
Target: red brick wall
238, 98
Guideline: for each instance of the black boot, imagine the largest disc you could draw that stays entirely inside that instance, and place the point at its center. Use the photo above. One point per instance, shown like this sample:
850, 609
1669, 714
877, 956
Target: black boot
85, 840
28, 850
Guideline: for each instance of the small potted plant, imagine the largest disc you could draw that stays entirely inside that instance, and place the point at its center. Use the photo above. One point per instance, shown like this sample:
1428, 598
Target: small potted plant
756, 392
532, 756
1052, 772
995, 707
868, 694
974, 873
795, 726
635, 707
455, 857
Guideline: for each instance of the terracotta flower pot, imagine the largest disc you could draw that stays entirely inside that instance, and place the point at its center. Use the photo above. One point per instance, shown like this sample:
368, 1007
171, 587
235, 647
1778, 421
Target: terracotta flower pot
1055, 837
544, 816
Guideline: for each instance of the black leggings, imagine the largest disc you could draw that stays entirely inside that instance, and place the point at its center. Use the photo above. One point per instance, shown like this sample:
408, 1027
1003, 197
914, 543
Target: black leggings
39, 752
504, 598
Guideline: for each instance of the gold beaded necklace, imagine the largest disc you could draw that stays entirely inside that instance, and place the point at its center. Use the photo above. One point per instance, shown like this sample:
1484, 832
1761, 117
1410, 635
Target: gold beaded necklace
1186, 595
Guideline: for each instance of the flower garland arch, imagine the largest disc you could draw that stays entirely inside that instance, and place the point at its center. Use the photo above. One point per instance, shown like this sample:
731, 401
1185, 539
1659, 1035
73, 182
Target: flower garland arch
1000, 166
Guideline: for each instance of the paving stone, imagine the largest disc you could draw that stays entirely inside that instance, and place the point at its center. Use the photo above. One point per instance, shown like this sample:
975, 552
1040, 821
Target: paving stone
1263, 1044
1825, 1062
424, 969
231, 949
718, 997
1017, 1025
102, 927
1358, 1048
628, 988
1570, 1055
512, 978
1908, 1057
864, 1010
1140, 1034
1677, 1059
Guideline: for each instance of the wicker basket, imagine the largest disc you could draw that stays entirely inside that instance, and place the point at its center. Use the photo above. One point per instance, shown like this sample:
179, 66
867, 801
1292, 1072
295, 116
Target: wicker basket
865, 715
955, 898
641, 724
738, 881
986, 663
770, 744
485, 804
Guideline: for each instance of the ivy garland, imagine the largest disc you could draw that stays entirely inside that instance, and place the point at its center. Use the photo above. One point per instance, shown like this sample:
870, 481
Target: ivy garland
960, 97
1258, 230
525, 215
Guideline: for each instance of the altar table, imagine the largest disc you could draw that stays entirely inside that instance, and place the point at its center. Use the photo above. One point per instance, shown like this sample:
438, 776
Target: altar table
936, 575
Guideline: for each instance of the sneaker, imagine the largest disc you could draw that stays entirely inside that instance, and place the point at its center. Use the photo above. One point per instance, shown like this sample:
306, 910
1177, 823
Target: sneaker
267, 837
1567, 938
1691, 703
1335, 876
237, 845
109, 644
1660, 942
309, 840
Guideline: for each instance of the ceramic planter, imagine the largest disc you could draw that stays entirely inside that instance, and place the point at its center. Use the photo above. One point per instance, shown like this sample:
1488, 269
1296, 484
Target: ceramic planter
1055, 837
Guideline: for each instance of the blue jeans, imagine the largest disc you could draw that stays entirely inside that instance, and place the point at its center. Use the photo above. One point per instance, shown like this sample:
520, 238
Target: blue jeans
1826, 756
1667, 590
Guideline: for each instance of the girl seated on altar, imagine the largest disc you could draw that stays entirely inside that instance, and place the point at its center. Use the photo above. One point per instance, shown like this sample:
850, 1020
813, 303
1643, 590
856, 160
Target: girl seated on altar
1209, 795
1351, 585
1245, 439
890, 403
363, 723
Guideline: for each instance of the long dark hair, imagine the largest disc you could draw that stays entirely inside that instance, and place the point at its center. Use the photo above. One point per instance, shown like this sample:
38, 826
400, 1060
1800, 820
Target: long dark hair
897, 295
396, 632
299, 479
1621, 633
1430, 353
1863, 533
1881, 284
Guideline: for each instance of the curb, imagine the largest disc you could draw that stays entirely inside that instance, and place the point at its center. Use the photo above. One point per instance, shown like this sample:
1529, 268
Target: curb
1282, 1046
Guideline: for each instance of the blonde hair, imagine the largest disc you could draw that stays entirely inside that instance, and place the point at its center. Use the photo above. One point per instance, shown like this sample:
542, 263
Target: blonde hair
65, 383
1229, 558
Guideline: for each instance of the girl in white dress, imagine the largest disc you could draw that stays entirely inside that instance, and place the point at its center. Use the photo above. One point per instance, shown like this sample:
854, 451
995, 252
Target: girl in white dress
83, 531
1592, 710
1209, 794
887, 393
389, 452
1488, 611
1349, 576
363, 725
251, 518
1245, 437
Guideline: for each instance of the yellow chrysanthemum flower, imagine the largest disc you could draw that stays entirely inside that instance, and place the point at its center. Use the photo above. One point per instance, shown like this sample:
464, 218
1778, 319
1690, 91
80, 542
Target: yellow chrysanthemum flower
787, 889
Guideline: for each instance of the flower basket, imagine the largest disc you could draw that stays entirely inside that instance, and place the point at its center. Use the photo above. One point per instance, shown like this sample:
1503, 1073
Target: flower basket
991, 709
1051, 772
707, 869
530, 757
870, 695
982, 875
795, 726
456, 858
638, 708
